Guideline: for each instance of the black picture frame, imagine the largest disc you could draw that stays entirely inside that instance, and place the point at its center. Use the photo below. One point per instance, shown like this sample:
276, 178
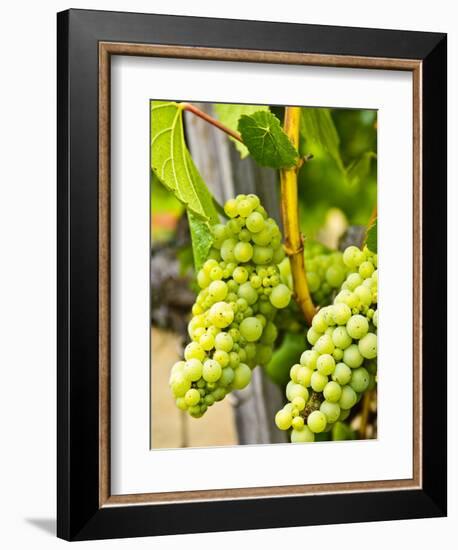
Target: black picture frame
80, 515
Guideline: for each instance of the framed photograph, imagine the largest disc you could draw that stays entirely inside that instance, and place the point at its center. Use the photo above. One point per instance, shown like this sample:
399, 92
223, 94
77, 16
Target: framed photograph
228, 192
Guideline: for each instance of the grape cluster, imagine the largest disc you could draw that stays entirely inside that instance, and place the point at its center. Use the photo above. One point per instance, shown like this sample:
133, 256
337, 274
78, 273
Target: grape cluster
232, 328
326, 271
341, 364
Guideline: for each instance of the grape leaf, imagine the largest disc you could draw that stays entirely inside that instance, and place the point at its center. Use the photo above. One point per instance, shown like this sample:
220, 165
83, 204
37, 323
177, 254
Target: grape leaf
267, 142
317, 126
371, 239
172, 163
360, 168
229, 115
201, 238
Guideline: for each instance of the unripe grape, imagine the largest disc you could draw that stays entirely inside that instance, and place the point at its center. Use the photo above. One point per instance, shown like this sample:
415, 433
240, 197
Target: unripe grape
223, 341
280, 296
325, 364
360, 379
262, 255
192, 397
194, 351
283, 419
324, 344
255, 222
221, 314
342, 374
305, 435
357, 326
227, 376
193, 369
309, 358
248, 293
297, 423
352, 357
332, 392
368, 346
211, 371
242, 377
243, 252
318, 381
316, 421
348, 398
340, 338
251, 329
331, 411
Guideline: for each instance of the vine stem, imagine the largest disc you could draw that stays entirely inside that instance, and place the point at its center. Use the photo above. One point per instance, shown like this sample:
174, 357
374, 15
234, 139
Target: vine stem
294, 244
213, 121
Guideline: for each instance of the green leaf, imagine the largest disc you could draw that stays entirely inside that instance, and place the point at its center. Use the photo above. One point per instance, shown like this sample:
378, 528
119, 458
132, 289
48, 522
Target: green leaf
359, 169
268, 144
318, 127
172, 163
201, 238
371, 239
229, 115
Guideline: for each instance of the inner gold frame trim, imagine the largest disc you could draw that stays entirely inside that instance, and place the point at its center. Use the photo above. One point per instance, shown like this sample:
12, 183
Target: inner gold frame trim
106, 50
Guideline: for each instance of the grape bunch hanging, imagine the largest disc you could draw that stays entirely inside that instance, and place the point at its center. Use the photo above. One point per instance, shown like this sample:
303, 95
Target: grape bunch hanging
233, 324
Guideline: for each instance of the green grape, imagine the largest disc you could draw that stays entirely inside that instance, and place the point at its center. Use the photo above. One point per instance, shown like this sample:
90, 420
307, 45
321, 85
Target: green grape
297, 423
220, 315
255, 222
342, 374
357, 326
251, 329
227, 376
193, 369
324, 344
242, 377
332, 392
325, 364
360, 379
211, 371
192, 397
230, 208
180, 384
296, 390
331, 411
240, 275
248, 293
262, 255
194, 351
341, 313
283, 419
305, 435
348, 398
352, 357
299, 402
223, 341
316, 421
280, 296
243, 252
217, 290
353, 257
318, 381
309, 358
221, 357
227, 250
368, 346
340, 338
304, 376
